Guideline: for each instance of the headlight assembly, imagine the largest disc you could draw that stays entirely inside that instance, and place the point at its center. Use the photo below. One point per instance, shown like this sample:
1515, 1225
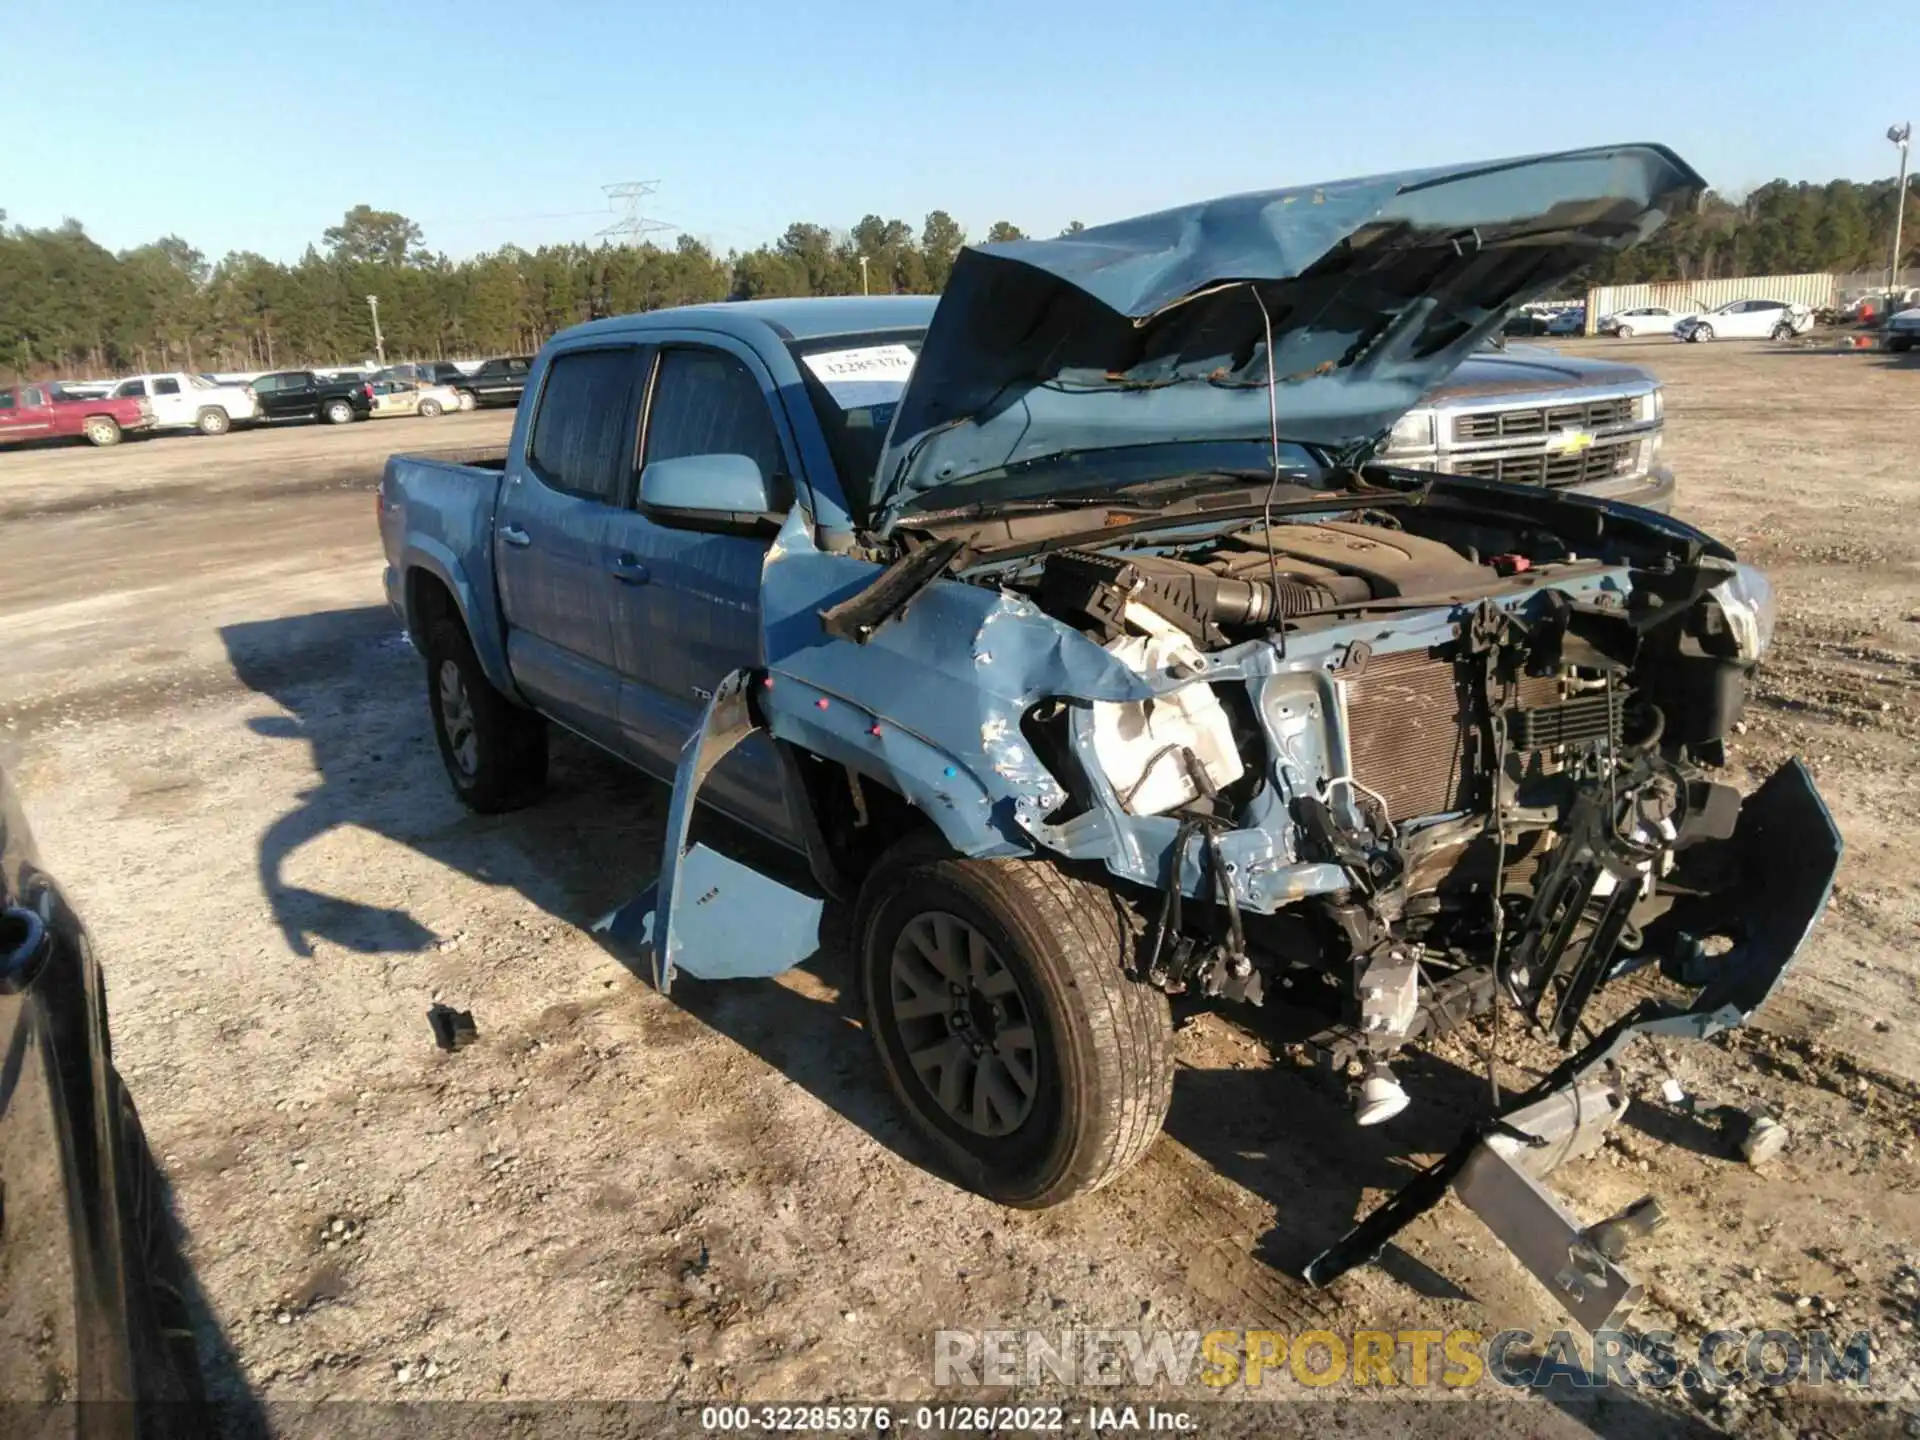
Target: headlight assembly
1412, 434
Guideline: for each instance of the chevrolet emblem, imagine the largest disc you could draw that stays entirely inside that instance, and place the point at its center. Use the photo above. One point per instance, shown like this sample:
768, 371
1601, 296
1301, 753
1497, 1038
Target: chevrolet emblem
1569, 442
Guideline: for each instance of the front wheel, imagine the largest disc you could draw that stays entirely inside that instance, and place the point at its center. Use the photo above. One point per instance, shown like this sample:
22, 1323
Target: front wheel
1701, 333
998, 997
1899, 345
467, 402
336, 412
429, 408
101, 430
495, 751
1624, 332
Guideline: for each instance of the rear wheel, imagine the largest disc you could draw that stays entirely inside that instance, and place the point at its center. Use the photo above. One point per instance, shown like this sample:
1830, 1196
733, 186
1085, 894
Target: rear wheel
101, 430
495, 751
1783, 331
998, 997
336, 412
213, 421
1899, 344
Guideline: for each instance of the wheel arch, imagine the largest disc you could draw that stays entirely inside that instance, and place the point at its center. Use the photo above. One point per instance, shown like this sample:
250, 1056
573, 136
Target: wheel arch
437, 586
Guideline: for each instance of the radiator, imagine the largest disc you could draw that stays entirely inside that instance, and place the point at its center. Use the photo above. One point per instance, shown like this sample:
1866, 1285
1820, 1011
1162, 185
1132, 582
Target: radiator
1409, 719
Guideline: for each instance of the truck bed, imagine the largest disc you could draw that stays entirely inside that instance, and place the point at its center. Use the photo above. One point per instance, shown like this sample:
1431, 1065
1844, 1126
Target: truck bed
437, 517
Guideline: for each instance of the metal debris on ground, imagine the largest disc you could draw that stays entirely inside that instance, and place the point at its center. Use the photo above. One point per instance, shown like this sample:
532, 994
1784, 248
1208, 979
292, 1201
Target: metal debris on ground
1764, 1138
452, 1029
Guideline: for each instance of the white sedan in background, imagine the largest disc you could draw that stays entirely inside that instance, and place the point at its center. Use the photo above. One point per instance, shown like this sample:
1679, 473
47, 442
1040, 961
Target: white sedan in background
1747, 320
1643, 320
191, 402
409, 397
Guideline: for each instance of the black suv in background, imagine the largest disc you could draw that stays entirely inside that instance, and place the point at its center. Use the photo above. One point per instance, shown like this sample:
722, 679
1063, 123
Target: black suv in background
500, 382
303, 395
92, 1305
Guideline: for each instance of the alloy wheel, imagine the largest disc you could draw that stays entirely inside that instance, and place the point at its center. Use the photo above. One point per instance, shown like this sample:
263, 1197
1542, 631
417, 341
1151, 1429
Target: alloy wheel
456, 714
965, 1023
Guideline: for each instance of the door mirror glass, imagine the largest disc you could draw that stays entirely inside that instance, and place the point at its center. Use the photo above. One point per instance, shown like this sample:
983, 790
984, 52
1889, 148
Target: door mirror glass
715, 485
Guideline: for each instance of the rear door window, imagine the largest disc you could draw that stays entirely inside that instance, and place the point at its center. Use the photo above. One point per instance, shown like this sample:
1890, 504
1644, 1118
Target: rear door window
130, 389
584, 427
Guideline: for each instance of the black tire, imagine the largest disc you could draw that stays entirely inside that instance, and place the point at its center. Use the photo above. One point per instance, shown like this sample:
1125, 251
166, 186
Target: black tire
1701, 333
212, 420
165, 1358
1102, 1068
505, 765
336, 412
1624, 332
429, 409
101, 430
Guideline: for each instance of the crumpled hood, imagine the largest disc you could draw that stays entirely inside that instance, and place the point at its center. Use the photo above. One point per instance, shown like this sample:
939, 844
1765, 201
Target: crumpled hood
1151, 330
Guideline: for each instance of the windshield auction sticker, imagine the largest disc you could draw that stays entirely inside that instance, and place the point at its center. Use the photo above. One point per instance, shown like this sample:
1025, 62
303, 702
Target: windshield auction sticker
892, 363
863, 378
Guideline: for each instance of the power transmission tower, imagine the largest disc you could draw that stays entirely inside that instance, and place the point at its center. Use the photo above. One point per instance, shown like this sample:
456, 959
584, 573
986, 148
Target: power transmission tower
632, 225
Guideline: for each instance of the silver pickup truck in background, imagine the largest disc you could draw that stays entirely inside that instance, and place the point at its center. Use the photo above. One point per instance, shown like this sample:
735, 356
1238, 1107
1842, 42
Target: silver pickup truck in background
1536, 417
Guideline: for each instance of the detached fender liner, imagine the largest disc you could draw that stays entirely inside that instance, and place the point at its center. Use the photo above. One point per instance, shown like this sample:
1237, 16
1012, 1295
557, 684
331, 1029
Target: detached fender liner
711, 916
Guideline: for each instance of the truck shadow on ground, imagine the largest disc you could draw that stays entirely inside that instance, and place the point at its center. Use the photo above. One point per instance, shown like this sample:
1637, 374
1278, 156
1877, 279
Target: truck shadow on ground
225, 1405
354, 697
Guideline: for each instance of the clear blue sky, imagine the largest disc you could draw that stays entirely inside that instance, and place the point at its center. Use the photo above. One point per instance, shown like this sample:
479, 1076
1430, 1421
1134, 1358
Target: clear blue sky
253, 125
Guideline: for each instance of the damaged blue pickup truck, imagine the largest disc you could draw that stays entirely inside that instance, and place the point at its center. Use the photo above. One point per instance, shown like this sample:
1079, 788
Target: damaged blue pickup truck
1075, 632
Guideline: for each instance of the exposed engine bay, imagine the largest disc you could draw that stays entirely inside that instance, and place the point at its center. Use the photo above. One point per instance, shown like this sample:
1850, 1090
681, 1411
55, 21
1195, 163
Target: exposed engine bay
1512, 809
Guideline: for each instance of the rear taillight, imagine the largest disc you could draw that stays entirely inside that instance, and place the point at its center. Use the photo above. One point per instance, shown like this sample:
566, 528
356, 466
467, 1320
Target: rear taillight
367, 390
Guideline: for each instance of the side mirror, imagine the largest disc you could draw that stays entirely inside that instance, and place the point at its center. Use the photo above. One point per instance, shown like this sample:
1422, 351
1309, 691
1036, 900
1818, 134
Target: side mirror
716, 486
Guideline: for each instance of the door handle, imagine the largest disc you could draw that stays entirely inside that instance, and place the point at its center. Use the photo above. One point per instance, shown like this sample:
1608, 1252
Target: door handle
514, 535
627, 570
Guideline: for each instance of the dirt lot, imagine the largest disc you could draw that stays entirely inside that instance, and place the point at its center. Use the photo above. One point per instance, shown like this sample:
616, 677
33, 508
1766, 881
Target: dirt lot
222, 740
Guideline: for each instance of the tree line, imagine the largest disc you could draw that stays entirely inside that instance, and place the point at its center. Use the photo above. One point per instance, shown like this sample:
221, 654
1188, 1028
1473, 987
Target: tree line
69, 306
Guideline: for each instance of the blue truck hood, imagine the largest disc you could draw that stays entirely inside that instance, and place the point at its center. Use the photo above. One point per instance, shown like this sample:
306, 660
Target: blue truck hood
1153, 330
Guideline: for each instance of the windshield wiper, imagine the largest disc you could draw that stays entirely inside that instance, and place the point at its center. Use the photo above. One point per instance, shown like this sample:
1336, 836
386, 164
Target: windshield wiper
1190, 481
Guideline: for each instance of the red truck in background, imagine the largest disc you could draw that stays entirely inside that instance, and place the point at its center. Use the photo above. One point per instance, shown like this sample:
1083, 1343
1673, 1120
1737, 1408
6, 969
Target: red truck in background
48, 408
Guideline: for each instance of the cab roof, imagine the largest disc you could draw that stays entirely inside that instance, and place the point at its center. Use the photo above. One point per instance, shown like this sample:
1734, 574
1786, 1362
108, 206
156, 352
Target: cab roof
805, 318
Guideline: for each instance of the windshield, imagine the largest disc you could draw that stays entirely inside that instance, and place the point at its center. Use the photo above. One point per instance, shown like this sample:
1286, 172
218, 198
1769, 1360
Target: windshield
1167, 468
854, 382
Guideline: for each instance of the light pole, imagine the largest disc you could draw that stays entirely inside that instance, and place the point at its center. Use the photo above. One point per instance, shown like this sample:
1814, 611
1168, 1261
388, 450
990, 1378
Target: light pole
379, 345
863, 276
1899, 135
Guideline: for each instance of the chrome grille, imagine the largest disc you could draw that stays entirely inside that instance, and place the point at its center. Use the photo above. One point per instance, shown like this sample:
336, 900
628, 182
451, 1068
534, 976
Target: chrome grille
1596, 462
1544, 420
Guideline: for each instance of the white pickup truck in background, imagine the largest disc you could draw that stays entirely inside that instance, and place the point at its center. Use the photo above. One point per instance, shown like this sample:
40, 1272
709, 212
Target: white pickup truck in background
184, 401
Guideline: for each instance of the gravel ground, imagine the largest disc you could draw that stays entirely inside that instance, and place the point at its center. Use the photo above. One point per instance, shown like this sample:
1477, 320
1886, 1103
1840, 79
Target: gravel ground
222, 739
